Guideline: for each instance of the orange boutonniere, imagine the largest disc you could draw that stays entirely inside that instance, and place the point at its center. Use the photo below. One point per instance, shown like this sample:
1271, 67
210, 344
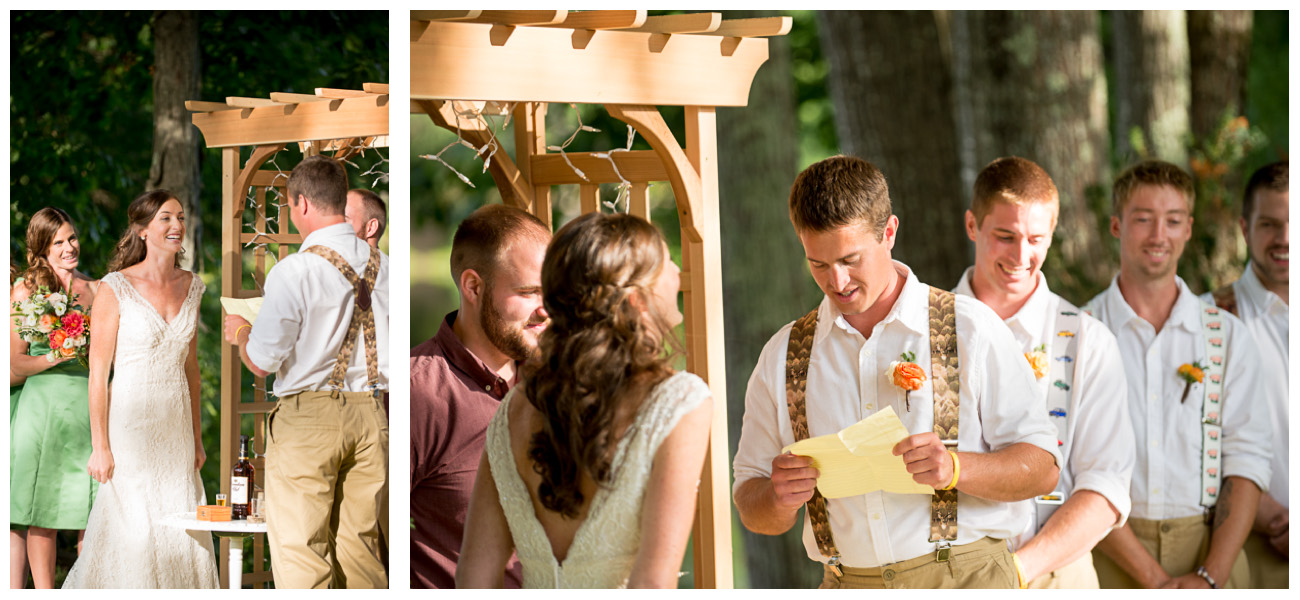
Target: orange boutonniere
1191, 373
907, 375
1038, 360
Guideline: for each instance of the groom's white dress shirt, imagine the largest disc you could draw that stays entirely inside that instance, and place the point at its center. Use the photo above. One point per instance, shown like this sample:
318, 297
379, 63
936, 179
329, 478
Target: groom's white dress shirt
847, 382
302, 323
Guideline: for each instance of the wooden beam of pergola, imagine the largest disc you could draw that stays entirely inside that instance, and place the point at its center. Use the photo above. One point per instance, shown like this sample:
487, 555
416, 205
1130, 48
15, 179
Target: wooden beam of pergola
329, 114
549, 64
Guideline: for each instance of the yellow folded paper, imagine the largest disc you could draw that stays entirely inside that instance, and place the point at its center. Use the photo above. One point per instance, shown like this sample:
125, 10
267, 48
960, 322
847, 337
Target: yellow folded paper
244, 307
860, 459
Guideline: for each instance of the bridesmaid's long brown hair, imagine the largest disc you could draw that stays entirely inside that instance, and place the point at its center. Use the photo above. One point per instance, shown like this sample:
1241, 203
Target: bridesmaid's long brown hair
41, 230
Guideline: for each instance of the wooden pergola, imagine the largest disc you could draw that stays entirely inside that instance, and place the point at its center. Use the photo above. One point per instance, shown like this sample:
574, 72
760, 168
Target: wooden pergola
631, 63
336, 121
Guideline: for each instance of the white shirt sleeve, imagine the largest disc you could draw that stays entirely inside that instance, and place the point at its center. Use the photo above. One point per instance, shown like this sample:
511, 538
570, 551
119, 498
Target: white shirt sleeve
760, 432
284, 308
1247, 433
1102, 450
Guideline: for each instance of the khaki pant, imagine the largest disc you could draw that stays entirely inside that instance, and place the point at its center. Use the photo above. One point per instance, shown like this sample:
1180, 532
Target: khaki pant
1268, 568
1078, 575
326, 481
1179, 545
984, 563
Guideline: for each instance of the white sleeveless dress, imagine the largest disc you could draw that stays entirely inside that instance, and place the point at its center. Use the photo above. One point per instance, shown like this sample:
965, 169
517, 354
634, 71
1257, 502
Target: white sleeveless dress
152, 437
606, 544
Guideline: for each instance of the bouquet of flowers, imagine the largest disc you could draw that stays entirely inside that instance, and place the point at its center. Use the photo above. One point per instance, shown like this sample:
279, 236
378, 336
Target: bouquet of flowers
53, 318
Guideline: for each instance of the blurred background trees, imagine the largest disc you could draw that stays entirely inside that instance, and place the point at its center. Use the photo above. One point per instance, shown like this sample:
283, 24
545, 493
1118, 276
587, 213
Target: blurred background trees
931, 97
97, 117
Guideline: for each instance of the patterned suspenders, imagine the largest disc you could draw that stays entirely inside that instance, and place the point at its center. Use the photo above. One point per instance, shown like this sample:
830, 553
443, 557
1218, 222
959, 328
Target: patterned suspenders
945, 374
1063, 349
363, 318
1211, 409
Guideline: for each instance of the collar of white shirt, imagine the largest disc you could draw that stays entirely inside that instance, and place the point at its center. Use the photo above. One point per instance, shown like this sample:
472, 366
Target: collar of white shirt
911, 310
1263, 298
1030, 318
340, 231
1186, 312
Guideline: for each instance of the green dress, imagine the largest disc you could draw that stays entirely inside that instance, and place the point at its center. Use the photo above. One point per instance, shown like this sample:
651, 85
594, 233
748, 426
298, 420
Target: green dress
49, 447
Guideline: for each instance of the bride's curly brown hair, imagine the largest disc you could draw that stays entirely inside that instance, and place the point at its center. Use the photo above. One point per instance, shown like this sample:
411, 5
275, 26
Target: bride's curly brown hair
602, 352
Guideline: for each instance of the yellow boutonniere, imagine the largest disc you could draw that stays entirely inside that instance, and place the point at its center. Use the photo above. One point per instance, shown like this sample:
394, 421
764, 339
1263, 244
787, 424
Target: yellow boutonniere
1191, 373
907, 375
1038, 360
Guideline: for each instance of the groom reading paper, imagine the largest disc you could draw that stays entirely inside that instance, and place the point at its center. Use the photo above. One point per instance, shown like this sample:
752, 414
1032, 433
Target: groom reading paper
323, 330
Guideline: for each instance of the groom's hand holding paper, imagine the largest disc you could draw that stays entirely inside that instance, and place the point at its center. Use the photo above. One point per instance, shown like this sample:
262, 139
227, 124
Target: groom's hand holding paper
860, 459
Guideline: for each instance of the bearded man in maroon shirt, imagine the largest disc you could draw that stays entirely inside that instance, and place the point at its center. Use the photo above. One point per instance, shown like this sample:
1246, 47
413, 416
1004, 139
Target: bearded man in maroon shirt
459, 376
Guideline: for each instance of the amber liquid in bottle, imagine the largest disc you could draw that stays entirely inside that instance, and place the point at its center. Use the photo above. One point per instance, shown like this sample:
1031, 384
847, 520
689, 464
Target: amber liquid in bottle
241, 483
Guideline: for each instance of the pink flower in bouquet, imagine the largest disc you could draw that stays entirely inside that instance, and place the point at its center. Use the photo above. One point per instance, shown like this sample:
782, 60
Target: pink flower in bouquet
46, 323
74, 323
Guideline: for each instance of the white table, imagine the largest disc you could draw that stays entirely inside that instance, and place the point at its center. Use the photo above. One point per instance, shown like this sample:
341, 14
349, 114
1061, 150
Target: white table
237, 530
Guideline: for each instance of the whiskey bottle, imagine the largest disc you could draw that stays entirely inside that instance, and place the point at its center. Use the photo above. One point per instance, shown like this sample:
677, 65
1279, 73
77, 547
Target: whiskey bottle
241, 482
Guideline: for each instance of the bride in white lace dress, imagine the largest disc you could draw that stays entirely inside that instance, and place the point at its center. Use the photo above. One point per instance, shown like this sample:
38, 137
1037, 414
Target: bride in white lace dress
146, 447
592, 462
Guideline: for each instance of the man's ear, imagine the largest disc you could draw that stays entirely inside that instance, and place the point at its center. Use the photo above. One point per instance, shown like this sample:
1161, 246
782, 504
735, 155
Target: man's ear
372, 228
972, 229
472, 287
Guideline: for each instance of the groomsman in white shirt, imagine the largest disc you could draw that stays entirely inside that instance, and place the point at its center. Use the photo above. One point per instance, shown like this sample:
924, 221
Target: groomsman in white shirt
1076, 360
323, 331
972, 436
1260, 299
1202, 431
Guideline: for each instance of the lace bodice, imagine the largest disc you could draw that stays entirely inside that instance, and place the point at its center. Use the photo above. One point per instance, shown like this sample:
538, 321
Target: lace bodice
605, 545
151, 432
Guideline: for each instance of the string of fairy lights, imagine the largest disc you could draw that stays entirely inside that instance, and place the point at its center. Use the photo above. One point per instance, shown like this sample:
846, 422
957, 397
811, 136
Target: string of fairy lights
476, 117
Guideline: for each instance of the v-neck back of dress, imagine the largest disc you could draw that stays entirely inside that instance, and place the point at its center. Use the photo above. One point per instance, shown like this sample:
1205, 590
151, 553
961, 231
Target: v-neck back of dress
605, 545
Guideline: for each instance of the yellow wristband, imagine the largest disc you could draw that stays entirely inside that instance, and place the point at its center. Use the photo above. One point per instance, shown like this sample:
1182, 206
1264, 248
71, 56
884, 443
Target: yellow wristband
956, 471
1020, 572
241, 328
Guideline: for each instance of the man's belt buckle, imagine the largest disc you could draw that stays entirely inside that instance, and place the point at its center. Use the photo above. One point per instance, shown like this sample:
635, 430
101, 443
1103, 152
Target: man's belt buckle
944, 552
834, 564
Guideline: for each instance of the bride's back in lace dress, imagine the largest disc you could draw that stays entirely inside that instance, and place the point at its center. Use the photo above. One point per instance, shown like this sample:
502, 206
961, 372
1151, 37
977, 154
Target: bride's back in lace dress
599, 548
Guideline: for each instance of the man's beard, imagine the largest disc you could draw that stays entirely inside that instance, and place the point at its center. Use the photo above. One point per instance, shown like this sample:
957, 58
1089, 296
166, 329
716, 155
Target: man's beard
506, 336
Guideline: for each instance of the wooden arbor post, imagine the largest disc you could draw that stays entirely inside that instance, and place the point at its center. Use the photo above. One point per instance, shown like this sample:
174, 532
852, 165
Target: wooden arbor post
630, 63
338, 120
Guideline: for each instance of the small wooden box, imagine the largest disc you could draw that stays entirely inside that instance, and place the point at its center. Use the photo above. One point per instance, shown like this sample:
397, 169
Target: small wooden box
210, 512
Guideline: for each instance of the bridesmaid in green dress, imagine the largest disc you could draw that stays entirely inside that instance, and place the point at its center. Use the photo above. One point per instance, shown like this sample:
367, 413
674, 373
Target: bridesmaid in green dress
49, 487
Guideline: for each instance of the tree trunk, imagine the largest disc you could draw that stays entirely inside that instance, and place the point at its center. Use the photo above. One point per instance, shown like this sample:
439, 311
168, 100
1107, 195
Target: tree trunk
175, 165
1219, 45
1033, 84
891, 86
1219, 42
1152, 90
757, 162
